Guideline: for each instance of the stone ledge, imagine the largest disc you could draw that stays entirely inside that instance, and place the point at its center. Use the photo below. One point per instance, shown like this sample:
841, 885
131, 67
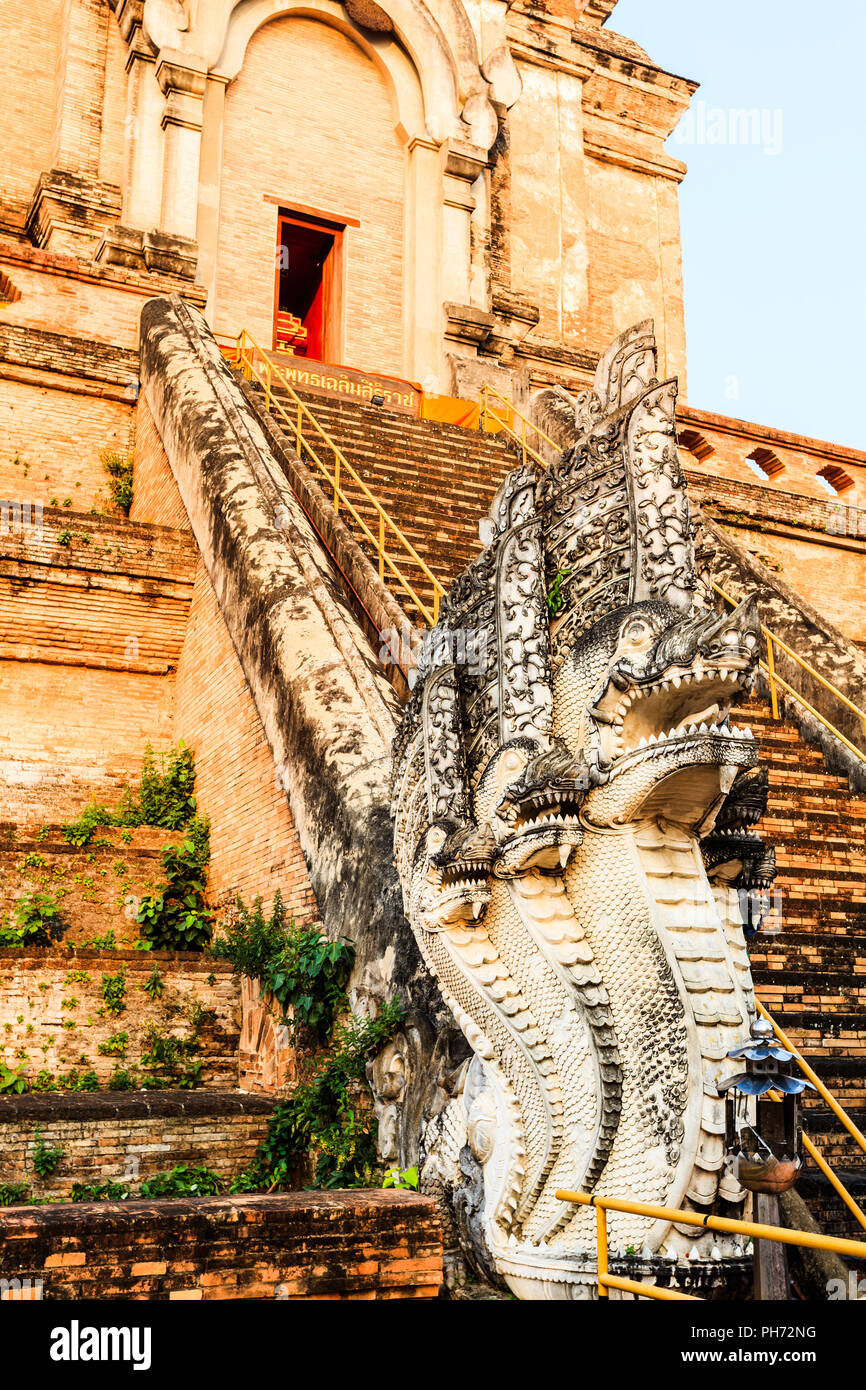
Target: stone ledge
296, 1245
68, 355
38, 958
126, 1105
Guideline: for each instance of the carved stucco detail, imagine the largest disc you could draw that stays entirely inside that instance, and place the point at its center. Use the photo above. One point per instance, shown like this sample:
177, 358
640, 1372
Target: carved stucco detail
555, 807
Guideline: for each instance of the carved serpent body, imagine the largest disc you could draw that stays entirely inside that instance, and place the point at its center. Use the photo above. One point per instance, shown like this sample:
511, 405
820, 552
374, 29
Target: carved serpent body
549, 809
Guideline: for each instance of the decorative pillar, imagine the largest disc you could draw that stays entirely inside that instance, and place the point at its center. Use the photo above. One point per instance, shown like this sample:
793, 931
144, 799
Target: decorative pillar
71, 207
173, 248
210, 187
466, 324
123, 243
423, 310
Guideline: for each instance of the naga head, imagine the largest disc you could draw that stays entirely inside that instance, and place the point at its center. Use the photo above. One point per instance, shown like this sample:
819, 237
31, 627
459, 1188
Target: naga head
657, 689
535, 816
453, 874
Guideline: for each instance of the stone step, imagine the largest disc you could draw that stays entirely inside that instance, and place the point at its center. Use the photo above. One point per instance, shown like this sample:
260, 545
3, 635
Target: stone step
97, 887
57, 1012
128, 1136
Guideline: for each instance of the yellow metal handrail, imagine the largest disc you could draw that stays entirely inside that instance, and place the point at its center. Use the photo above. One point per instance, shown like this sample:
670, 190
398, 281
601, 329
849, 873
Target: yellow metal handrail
488, 414
855, 1249
775, 680
256, 363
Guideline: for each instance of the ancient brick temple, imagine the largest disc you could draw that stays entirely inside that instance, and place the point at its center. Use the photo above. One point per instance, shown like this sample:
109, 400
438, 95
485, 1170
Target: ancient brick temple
243, 245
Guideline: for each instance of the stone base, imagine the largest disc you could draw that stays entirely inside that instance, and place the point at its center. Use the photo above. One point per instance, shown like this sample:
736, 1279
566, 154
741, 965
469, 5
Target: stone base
69, 213
171, 255
122, 246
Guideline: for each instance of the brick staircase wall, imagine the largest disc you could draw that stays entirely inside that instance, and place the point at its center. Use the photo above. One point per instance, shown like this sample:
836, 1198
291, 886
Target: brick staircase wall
54, 1016
128, 1137
291, 1246
809, 961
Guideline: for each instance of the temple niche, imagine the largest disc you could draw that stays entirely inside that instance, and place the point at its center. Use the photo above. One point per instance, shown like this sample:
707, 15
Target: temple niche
555, 806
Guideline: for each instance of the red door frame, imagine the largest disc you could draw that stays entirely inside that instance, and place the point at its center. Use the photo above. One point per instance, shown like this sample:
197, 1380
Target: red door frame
332, 280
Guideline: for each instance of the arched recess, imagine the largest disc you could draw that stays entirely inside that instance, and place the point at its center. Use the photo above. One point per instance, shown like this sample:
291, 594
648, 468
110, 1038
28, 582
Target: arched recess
423, 95
313, 123
415, 31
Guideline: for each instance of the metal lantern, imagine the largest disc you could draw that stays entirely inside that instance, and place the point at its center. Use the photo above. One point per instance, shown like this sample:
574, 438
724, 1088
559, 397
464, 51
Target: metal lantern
765, 1159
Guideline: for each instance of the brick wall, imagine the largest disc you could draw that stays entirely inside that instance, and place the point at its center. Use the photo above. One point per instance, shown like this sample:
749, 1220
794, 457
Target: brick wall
155, 495
725, 443
66, 295
58, 1048
51, 439
309, 121
58, 751
30, 42
254, 843
298, 1245
95, 624
123, 1136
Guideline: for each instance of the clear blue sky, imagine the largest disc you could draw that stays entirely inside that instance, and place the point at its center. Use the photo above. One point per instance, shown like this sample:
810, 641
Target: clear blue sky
774, 227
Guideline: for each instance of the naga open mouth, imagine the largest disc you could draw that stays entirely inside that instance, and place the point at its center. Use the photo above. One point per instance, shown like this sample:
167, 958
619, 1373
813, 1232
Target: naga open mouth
545, 811
685, 704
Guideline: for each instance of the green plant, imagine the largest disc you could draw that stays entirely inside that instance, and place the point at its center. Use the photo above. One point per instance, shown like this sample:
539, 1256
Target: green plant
154, 984
75, 1081
44, 1081
102, 943
406, 1178
38, 921
124, 1079
176, 917
169, 1062
555, 597
33, 861
64, 536
164, 798
81, 830
198, 1016
114, 992
99, 1192
12, 1192
115, 1046
305, 971
45, 1160
184, 1181
330, 1115
12, 1079
118, 466
166, 790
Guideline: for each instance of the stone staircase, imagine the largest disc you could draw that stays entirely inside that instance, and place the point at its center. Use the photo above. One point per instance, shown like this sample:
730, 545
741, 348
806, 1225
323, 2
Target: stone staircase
809, 962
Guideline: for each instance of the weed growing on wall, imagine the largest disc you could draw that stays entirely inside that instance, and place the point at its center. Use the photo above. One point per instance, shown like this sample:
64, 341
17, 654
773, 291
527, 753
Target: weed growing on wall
36, 921
45, 1160
176, 917
118, 466
306, 973
165, 797
330, 1117
114, 992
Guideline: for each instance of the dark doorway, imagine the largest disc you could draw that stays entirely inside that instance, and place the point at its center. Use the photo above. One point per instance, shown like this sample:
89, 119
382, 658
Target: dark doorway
308, 287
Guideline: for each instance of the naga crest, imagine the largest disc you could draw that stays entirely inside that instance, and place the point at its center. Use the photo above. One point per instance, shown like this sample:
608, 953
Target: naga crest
573, 813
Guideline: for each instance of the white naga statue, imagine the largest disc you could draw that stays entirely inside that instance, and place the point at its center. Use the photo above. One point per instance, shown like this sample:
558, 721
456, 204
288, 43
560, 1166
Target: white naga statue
572, 816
